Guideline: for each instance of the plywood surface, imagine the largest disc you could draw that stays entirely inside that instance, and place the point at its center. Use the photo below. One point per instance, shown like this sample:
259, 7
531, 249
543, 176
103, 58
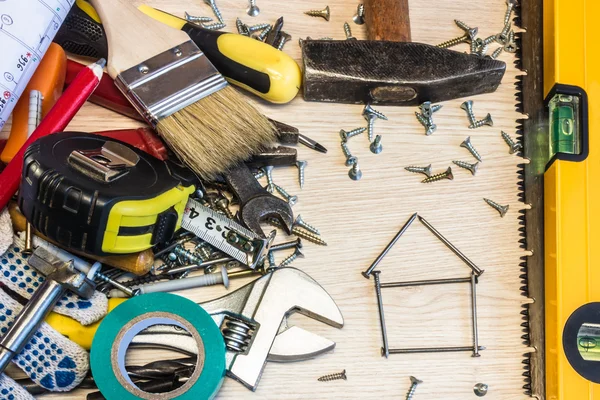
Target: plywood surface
357, 219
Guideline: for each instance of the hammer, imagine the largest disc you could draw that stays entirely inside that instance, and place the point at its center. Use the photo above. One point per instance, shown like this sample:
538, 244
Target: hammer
389, 69
60, 278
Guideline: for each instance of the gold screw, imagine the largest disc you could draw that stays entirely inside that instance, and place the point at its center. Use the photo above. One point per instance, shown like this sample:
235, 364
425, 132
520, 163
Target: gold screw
324, 13
438, 177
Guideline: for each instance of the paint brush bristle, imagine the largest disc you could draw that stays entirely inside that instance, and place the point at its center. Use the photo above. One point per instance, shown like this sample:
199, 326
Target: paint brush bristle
216, 132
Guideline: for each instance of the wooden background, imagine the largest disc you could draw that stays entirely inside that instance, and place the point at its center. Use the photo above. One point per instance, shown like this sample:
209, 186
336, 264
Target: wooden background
357, 219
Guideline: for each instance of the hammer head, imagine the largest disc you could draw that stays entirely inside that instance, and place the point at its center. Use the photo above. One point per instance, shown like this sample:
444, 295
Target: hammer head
393, 73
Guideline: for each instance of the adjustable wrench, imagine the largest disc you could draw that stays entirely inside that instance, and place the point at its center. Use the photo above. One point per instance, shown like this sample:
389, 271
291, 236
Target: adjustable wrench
253, 320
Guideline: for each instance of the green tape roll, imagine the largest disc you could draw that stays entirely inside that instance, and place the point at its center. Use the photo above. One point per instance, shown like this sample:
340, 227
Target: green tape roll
120, 326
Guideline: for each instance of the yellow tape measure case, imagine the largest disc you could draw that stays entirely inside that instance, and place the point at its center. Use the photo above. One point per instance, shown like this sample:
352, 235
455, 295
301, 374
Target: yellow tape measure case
99, 195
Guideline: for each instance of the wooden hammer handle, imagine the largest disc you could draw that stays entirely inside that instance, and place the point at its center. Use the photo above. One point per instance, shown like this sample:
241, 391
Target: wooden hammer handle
387, 20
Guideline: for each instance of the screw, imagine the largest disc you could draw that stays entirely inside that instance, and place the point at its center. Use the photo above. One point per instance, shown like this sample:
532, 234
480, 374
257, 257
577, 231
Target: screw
466, 165
376, 145
486, 121
462, 25
348, 32
497, 53
510, 5
223, 205
301, 223
355, 173
511, 46
287, 245
480, 389
413, 387
333, 377
469, 146
252, 10
301, 167
257, 27
489, 39
268, 170
468, 37
359, 18
502, 37
271, 256
438, 177
350, 159
370, 117
475, 45
241, 27
429, 128
215, 26
262, 36
482, 50
354, 132
370, 110
179, 251
261, 173
427, 109
300, 232
513, 147
215, 10
385, 349
288, 197
288, 260
192, 18
501, 209
324, 13
420, 170
468, 107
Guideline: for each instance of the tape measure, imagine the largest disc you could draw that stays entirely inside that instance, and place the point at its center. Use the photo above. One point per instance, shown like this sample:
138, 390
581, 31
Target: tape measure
99, 195
226, 235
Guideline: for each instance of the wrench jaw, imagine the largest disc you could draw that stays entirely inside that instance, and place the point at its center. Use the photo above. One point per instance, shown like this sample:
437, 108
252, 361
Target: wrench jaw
262, 207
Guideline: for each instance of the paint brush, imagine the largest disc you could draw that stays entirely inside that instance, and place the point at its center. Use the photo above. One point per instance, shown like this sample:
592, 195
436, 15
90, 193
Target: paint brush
173, 85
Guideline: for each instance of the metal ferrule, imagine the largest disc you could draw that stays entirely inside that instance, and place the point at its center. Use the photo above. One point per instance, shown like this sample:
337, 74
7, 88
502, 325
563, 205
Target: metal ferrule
170, 81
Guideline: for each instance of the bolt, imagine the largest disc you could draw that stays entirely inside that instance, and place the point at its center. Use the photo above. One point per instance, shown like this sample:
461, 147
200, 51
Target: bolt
301, 223
215, 26
215, 10
301, 167
420, 170
414, 382
288, 197
355, 173
354, 132
468, 107
348, 32
438, 177
252, 10
350, 159
257, 27
501, 209
513, 146
510, 5
497, 53
370, 110
241, 27
376, 145
333, 377
385, 349
480, 389
268, 170
262, 36
486, 121
359, 18
429, 128
324, 13
192, 18
468, 37
288, 260
469, 146
502, 37
467, 166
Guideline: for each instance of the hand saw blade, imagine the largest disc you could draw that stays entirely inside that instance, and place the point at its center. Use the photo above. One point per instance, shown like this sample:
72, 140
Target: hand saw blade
532, 134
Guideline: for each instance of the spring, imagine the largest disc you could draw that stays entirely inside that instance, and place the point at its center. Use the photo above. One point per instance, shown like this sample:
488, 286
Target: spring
237, 335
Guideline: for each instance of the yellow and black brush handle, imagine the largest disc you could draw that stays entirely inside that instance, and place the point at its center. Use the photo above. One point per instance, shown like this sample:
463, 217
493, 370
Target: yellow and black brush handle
245, 62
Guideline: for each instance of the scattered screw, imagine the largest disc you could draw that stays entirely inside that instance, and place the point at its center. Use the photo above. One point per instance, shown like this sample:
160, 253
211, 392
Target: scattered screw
376, 145
347, 135
324, 13
214, 27
502, 37
350, 159
301, 167
510, 5
296, 230
370, 116
268, 170
242, 28
288, 260
438, 177
462, 25
301, 223
482, 50
223, 205
370, 110
467, 166
427, 109
261, 173
497, 53
489, 39
468, 107
468, 37
258, 27
252, 10
271, 256
348, 32
192, 18
333, 377
420, 170
215, 10
288, 197
264, 33
469, 146
486, 121
413, 387
179, 251
359, 18
429, 128
355, 173
513, 146
480, 389
283, 39
510, 46
501, 209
